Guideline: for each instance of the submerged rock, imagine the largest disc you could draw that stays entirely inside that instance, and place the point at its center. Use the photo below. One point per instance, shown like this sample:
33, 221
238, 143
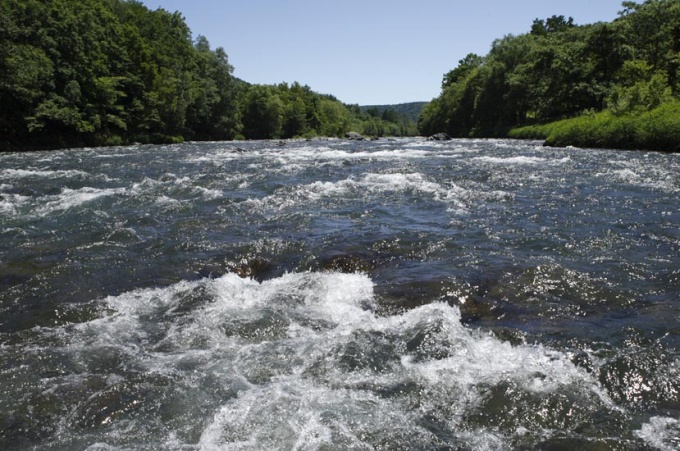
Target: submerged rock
349, 264
256, 268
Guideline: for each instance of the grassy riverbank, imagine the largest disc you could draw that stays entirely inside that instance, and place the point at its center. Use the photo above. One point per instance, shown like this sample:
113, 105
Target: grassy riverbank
657, 129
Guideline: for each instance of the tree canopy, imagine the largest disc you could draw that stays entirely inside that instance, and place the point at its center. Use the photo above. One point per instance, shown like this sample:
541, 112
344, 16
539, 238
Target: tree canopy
559, 70
96, 72
92, 72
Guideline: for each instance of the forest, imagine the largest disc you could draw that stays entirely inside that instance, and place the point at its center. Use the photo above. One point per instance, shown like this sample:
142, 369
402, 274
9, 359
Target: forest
111, 72
614, 84
410, 110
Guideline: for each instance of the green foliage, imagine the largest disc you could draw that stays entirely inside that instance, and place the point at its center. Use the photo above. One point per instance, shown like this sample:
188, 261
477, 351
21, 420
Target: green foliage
335, 118
641, 88
262, 113
465, 66
624, 69
390, 120
655, 129
551, 25
93, 72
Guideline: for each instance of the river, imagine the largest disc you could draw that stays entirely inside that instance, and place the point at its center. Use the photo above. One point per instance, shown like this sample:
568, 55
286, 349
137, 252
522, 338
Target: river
333, 295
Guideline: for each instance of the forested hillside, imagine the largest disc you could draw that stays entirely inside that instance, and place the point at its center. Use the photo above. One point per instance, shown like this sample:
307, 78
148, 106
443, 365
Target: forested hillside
101, 72
409, 110
98, 72
621, 78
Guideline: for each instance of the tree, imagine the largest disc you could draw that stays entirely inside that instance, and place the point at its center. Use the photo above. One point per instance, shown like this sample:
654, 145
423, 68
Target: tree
465, 66
295, 118
560, 70
212, 113
95, 72
334, 117
390, 115
262, 113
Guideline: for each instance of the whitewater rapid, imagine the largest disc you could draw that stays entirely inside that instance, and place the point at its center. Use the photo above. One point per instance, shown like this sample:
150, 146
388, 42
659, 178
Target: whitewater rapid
402, 294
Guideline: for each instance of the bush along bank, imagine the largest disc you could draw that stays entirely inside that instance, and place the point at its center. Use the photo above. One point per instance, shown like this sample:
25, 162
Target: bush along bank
657, 129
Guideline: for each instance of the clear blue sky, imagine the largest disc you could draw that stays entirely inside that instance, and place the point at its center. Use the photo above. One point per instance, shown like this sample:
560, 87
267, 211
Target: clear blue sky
366, 51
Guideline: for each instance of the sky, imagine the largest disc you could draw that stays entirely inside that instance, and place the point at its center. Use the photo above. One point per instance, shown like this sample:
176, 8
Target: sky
366, 52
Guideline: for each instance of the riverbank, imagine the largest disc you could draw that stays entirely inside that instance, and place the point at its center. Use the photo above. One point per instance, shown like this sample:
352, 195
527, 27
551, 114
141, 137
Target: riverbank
657, 129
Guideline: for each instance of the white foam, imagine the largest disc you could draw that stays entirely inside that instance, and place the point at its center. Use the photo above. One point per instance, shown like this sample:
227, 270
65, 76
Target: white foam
400, 182
296, 159
284, 345
70, 198
370, 184
523, 160
663, 179
662, 433
7, 207
277, 412
165, 200
626, 175
25, 173
10, 202
170, 185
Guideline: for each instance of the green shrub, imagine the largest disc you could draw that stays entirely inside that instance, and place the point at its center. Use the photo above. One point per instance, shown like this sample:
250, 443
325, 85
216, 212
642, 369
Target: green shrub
658, 129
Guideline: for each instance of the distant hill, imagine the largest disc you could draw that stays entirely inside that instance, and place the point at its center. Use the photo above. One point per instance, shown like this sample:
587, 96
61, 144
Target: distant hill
410, 110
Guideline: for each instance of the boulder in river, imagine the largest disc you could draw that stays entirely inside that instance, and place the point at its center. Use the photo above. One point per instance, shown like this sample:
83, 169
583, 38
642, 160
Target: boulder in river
354, 136
440, 137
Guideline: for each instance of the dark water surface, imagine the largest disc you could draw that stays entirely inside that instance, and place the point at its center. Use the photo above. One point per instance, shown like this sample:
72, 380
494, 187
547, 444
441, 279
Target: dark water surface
339, 295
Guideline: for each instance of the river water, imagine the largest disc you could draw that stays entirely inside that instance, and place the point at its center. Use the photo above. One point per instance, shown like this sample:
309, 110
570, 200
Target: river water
335, 295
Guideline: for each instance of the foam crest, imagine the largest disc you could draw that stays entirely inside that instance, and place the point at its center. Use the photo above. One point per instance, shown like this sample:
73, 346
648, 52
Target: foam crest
10, 201
338, 299
295, 158
41, 173
172, 188
466, 357
303, 416
523, 160
625, 175
662, 433
370, 184
359, 384
663, 179
317, 365
291, 303
400, 182
71, 198
302, 361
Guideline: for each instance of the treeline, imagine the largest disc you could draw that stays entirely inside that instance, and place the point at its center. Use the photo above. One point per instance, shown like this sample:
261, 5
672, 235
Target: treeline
409, 110
105, 72
611, 74
289, 111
